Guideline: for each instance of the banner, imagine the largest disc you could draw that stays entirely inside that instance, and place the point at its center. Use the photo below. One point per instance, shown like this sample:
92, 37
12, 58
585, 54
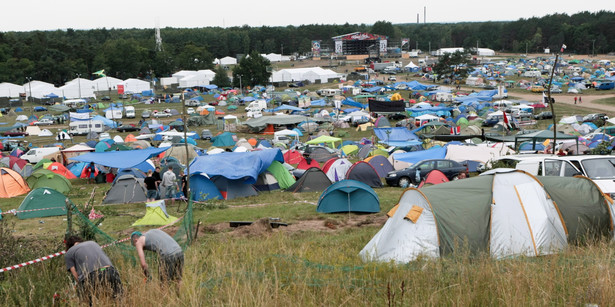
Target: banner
405, 41
383, 46
120, 89
339, 47
376, 106
316, 49
79, 116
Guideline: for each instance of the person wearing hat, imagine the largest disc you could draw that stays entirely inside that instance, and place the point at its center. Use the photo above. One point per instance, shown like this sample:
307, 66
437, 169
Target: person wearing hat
91, 268
169, 253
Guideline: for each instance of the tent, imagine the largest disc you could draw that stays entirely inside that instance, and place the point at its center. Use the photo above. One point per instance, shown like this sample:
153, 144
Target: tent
348, 196
338, 169
11, 183
306, 163
179, 153
59, 169
155, 215
292, 156
202, 188
325, 167
281, 174
43, 178
381, 164
230, 189
19, 165
266, 182
329, 140
43, 198
504, 212
313, 180
223, 140
363, 172
321, 154
126, 189
432, 178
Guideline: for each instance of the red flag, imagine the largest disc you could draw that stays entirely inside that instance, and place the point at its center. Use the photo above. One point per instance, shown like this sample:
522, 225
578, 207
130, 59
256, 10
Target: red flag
506, 120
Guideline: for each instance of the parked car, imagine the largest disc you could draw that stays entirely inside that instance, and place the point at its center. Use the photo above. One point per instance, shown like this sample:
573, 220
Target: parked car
537, 89
190, 111
44, 122
594, 116
544, 115
192, 103
14, 133
392, 78
126, 128
104, 136
162, 114
414, 174
146, 114
206, 134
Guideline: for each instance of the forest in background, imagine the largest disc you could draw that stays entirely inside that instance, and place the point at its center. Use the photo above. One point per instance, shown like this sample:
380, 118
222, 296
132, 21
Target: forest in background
61, 55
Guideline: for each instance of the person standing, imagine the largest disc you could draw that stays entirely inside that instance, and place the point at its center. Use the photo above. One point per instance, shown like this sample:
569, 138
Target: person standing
169, 184
169, 253
575, 99
152, 186
184, 183
580, 99
91, 268
91, 172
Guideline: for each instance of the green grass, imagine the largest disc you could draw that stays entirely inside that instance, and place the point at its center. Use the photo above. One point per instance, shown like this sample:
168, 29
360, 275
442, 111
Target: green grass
606, 101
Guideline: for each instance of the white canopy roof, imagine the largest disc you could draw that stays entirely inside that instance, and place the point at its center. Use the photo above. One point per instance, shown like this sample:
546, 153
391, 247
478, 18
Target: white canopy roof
287, 132
10, 90
78, 148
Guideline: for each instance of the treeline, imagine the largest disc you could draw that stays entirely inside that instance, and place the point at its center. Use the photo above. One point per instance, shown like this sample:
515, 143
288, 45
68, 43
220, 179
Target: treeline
59, 56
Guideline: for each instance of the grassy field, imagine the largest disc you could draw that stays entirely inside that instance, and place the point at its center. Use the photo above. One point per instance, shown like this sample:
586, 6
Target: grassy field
313, 261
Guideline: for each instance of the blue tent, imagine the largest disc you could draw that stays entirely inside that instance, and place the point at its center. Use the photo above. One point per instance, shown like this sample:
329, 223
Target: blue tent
348, 196
202, 188
236, 165
417, 156
223, 140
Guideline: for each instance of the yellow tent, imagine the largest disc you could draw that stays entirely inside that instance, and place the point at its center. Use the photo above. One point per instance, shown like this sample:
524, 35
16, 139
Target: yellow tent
155, 215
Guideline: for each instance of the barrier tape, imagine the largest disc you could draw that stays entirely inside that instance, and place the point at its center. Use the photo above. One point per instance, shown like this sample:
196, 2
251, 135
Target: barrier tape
37, 260
13, 211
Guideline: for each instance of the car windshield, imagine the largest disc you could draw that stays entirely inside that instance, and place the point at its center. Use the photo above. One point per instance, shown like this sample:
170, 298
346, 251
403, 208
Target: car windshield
602, 168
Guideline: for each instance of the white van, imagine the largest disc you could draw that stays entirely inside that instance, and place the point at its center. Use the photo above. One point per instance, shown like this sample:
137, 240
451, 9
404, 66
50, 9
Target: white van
114, 113
85, 126
257, 105
599, 168
542, 165
130, 112
329, 92
35, 155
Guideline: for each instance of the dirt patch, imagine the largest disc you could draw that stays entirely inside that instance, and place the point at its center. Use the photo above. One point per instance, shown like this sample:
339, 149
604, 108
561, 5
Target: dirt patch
263, 228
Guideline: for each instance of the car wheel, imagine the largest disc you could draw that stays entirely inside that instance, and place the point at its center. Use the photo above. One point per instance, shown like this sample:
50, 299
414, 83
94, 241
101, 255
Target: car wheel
404, 182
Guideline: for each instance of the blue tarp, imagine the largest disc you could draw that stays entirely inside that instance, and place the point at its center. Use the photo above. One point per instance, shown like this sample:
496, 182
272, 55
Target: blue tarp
350, 102
120, 159
236, 165
417, 156
318, 103
396, 134
285, 107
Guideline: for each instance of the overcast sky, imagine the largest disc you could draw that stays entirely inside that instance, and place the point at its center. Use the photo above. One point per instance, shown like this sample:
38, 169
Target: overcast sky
27, 15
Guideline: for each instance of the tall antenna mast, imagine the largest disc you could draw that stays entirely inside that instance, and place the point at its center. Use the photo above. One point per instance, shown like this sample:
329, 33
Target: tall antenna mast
158, 37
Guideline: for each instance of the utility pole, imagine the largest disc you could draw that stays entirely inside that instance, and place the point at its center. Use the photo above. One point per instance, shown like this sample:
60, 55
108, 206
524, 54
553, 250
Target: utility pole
551, 102
186, 147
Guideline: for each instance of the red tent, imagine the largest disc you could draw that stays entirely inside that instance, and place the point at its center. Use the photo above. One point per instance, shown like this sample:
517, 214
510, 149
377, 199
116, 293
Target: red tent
61, 170
433, 177
292, 156
305, 165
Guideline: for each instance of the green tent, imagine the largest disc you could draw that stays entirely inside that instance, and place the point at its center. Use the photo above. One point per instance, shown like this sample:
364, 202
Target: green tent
155, 215
463, 122
350, 149
43, 178
43, 198
40, 163
281, 174
584, 208
329, 140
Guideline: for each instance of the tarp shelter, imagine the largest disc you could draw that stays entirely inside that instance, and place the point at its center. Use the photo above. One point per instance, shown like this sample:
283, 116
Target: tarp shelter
202, 188
11, 183
231, 189
313, 180
243, 166
155, 215
126, 189
76, 150
381, 164
348, 196
480, 153
329, 140
281, 174
417, 156
505, 213
121, 159
363, 172
43, 178
49, 201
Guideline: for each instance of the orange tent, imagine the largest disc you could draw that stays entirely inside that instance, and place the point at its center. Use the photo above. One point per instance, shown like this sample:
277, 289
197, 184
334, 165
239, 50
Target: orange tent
252, 141
204, 112
12, 184
60, 170
130, 138
269, 129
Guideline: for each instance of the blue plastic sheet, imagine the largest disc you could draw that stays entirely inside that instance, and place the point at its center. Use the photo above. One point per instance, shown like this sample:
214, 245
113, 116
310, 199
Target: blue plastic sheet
121, 159
236, 165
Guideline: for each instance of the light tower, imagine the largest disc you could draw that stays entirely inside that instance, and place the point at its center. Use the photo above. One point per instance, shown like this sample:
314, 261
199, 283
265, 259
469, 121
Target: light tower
158, 37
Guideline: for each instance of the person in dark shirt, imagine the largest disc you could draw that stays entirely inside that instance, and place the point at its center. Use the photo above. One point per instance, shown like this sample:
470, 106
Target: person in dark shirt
152, 186
184, 183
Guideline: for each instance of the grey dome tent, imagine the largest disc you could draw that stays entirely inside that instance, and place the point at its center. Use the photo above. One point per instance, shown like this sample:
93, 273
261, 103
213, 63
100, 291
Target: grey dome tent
230, 189
126, 189
312, 180
266, 182
364, 172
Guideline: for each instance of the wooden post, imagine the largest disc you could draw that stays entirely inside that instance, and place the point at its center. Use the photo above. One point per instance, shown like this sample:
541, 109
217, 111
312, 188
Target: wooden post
69, 219
197, 229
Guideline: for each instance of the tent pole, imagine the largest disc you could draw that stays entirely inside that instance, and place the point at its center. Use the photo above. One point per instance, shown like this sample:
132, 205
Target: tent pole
551, 103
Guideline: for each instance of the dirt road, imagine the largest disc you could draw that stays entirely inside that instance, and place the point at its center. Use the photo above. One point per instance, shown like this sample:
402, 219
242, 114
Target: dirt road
588, 100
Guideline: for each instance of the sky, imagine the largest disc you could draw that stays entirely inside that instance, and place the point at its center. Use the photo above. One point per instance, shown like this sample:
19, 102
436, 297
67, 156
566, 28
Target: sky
28, 15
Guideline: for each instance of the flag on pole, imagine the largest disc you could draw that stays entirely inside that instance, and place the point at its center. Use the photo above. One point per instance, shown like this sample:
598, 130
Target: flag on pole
404, 41
563, 47
100, 73
506, 123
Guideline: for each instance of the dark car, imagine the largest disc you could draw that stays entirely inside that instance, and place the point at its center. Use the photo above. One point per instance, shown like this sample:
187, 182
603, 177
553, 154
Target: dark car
126, 128
594, 116
14, 133
544, 115
414, 175
206, 134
